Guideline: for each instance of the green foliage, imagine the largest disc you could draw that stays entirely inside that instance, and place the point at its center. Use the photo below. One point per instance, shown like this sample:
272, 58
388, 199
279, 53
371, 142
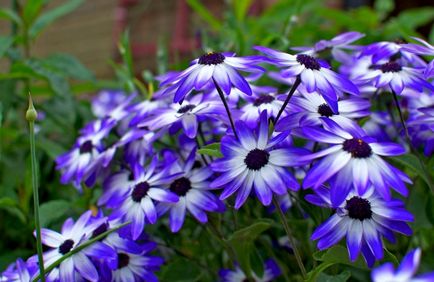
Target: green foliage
212, 150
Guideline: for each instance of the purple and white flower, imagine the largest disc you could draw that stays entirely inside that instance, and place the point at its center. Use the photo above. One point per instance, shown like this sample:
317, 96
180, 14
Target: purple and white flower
256, 104
406, 271
363, 218
253, 163
219, 68
353, 159
271, 272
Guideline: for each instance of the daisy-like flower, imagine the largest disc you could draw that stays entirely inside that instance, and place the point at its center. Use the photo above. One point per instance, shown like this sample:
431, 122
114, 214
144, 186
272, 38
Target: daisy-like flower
363, 218
74, 164
336, 45
131, 261
188, 113
406, 271
253, 163
395, 76
219, 67
19, 271
314, 74
134, 197
306, 109
78, 266
107, 100
353, 159
192, 187
256, 104
271, 272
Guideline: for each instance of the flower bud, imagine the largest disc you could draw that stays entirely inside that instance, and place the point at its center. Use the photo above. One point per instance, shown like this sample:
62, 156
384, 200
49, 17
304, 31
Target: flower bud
31, 113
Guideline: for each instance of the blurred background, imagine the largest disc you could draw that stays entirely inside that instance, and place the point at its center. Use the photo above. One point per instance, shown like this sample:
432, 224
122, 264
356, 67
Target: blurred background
65, 51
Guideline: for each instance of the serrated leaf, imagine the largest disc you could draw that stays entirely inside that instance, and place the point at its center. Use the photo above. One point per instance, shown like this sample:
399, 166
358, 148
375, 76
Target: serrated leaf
48, 17
181, 270
211, 150
242, 241
51, 211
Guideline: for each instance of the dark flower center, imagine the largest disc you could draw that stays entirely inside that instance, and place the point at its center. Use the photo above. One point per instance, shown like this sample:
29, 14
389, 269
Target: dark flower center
256, 159
180, 186
308, 61
197, 164
99, 230
325, 111
263, 99
391, 67
66, 246
140, 191
86, 147
186, 108
358, 148
211, 59
123, 260
358, 208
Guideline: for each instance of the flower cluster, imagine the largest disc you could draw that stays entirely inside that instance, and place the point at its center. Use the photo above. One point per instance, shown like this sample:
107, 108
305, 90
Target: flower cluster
211, 137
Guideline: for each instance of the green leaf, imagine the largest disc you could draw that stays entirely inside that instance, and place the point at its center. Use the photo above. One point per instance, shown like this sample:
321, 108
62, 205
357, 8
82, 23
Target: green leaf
68, 65
11, 206
384, 7
413, 18
211, 150
429, 209
338, 254
181, 270
53, 210
47, 18
31, 10
51, 148
413, 163
5, 43
205, 14
241, 8
9, 15
342, 277
242, 241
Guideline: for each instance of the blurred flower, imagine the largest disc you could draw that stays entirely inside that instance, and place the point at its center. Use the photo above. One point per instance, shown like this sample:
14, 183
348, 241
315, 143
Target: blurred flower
363, 218
19, 271
353, 159
424, 49
271, 272
405, 272
252, 162
106, 100
256, 104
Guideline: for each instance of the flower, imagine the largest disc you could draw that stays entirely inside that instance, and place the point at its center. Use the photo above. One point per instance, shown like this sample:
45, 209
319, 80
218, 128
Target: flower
133, 195
405, 272
427, 50
106, 101
314, 74
271, 272
395, 76
188, 113
364, 218
306, 109
219, 67
252, 162
192, 186
353, 159
73, 235
74, 164
337, 44
19, 272
256, 104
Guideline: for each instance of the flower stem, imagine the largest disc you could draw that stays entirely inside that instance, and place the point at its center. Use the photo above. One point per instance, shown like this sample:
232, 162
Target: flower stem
290, 237
31, 115
288, 97
412, 148
225, 103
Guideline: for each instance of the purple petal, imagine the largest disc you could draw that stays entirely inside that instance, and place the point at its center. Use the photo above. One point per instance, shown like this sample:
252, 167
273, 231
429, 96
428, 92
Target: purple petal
177, 215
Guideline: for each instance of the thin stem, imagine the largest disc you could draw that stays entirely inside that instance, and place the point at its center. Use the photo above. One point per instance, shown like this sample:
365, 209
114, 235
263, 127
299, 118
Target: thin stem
36, 201
288, 97
290, 237
412, 148
225, 103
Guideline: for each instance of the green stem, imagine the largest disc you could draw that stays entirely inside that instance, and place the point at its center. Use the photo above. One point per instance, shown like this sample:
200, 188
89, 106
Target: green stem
36, 200
80, 248
291, 238
288, 97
